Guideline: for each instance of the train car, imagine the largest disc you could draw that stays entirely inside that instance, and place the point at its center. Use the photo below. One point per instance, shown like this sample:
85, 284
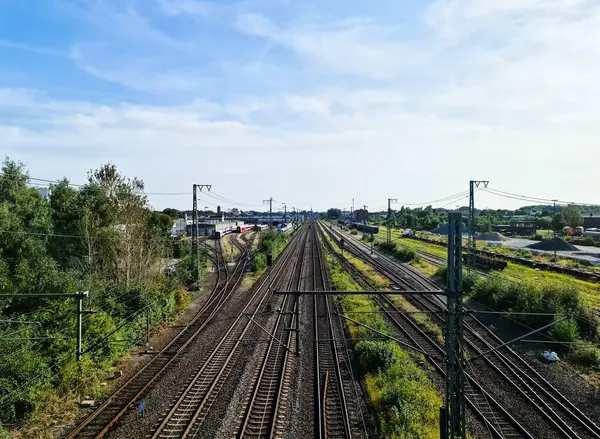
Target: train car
260, 227
219, 234
285, 228
242, 229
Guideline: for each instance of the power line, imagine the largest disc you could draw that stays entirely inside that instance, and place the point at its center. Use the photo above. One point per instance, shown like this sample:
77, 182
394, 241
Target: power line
436, 201
534, 199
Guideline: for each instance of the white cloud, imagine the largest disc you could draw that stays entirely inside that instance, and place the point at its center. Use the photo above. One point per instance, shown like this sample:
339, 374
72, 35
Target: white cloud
344, 47
506, 91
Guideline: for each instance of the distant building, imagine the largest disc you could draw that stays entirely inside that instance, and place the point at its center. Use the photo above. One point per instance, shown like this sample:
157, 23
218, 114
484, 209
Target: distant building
361, 216
591, 222
218, 210
516, 228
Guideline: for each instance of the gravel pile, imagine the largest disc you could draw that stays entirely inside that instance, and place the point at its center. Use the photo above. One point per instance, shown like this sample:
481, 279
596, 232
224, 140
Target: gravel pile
492, 236
557, 244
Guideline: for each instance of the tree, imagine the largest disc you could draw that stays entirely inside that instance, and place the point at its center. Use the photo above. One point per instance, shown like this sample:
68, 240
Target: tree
334, 213
572, 216
485, 225
173, 213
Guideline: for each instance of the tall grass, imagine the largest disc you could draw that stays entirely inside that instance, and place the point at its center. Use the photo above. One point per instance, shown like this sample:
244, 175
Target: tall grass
406, 402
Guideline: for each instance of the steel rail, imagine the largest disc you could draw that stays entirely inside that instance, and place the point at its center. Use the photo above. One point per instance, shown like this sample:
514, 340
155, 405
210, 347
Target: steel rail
187, 410
480, 401
260, 414
532, 386
329, 361
129, 392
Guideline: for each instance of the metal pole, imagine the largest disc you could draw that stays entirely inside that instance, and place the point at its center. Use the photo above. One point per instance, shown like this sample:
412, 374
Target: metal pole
79, 299
195, 242
389, 218
147, 328
554, 227
285, 214
454, 397
471, 240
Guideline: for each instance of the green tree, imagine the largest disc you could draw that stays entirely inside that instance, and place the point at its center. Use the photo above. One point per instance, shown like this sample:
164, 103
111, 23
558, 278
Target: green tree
485, 225
572, 216
334, 213
66, 243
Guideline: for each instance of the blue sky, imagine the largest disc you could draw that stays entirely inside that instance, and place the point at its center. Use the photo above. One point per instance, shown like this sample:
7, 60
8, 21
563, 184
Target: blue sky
311, 102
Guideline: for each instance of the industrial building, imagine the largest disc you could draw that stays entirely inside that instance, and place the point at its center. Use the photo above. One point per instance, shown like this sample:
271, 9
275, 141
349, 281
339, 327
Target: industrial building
361, 216
517, 228
591, 222
213, 228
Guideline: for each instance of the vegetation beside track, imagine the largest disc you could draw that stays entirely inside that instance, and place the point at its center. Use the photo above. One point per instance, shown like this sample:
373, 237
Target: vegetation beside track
405, 400
562, 299
270, 242
368, 271
102, 238
589, 291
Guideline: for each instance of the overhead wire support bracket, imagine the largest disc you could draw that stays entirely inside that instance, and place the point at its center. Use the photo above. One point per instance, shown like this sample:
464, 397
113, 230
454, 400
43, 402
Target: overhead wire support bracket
195, 232
472, 240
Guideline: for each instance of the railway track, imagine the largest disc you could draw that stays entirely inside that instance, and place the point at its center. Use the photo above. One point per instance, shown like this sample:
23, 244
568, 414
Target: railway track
495, 417
191, 408
99, 422
557, 410
271, 383
333, 419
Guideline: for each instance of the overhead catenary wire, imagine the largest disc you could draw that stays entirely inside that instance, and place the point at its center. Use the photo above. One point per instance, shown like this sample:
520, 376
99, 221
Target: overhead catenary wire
528, 198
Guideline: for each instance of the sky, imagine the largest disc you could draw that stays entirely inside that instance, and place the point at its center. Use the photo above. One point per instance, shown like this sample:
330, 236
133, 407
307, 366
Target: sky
311, 102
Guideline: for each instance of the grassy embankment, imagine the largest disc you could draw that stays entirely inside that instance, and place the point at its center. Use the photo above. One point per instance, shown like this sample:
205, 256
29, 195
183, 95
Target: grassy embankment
522, 289
522, 253
406, 402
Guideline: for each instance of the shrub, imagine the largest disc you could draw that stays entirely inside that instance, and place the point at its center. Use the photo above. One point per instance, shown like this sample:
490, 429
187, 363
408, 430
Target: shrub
523, 253
405, 254
353, 232
368, 238
387, 246
374, 356
565, 330
469, 280
585, 355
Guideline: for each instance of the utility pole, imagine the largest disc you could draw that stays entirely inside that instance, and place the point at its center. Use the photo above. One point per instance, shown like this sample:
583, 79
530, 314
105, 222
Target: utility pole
452, 415
270, 201
195, 233
352, 210
79, 296
554, 227
389, 218
472, 242
285, 214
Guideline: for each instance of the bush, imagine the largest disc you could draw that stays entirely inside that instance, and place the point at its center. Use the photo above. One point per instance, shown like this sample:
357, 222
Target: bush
387, 246
368, 238
353, 232
548, 297
374, 356
523, 253
405, 254
585, 355
565, 330
469, 280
